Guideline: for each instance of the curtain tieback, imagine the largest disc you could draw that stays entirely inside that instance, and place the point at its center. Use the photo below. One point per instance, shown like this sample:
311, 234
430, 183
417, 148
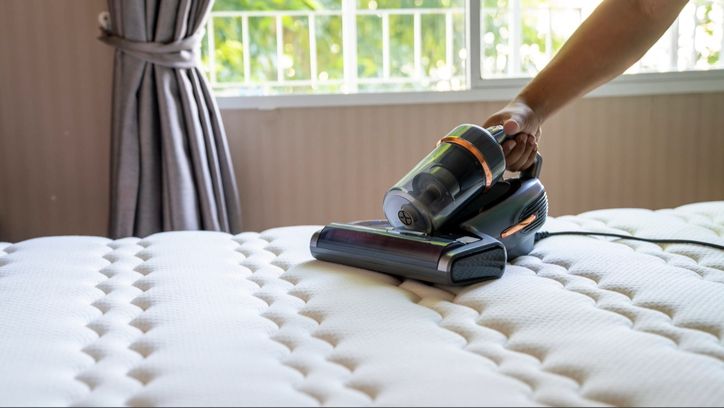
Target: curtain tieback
177, 54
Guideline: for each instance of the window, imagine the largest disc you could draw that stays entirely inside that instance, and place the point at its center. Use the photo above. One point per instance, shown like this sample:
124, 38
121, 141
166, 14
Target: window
274, 47
520, 37
335, 46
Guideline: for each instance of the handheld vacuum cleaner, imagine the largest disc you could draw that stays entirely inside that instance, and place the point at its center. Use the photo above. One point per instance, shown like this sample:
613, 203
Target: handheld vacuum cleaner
451, 220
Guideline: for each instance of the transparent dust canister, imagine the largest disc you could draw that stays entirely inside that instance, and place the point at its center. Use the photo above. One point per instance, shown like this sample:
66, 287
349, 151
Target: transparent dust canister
465, 163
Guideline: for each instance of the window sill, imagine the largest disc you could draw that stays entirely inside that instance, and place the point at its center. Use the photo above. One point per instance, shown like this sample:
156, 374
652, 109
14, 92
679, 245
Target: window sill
490, 90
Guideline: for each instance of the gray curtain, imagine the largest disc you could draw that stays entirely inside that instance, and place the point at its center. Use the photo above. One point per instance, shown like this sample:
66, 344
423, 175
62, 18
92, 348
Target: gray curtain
170, 164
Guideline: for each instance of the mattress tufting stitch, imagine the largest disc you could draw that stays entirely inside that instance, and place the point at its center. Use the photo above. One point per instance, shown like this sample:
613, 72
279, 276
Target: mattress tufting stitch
206, 318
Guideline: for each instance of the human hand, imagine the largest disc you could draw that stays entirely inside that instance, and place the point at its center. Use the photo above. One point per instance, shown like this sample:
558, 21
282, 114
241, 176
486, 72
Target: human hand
519, 120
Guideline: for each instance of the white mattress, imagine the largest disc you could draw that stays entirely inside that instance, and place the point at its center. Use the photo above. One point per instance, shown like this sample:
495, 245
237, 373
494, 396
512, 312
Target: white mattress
199, 318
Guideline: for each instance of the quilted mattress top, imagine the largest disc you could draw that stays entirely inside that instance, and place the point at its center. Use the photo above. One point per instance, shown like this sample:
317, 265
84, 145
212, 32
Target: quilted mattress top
201, 318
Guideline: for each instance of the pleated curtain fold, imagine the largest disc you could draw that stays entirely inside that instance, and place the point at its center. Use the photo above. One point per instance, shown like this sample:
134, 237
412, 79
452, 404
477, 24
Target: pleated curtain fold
170, 163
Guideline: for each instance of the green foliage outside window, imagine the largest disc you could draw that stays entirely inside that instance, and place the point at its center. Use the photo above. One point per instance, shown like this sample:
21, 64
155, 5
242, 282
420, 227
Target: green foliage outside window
229, 52
544, 27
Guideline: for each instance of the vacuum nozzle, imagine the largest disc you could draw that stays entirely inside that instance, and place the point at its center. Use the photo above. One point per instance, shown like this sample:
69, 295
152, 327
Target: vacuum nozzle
447, 260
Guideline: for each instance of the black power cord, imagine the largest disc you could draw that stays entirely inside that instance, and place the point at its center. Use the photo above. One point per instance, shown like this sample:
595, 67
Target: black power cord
545, 234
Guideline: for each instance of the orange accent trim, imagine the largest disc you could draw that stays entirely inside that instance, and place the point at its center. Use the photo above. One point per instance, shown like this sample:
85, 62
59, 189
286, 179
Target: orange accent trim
475, 152
519, 226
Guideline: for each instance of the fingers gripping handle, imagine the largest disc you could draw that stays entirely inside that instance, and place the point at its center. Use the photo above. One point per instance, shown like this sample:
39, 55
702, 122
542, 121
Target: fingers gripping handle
531, 172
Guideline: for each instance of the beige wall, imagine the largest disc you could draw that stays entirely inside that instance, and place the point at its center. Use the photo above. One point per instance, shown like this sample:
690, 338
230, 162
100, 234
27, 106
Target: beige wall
298, 166
54, 118
316, 165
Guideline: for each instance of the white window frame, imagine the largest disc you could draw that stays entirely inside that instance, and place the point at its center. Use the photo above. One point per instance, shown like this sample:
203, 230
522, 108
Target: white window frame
497, 89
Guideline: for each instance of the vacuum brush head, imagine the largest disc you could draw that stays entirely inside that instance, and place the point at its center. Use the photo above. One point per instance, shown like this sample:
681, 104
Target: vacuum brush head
376, 245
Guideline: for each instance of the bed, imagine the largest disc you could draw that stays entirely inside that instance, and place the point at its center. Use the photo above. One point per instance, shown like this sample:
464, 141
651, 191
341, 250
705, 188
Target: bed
203, 318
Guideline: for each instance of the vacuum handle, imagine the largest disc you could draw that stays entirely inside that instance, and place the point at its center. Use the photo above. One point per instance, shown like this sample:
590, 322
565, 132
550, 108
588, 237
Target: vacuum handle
498, 133
534, 170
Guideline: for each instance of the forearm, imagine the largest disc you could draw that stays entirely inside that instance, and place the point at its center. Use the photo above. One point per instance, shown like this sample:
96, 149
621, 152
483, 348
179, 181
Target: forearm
616, 35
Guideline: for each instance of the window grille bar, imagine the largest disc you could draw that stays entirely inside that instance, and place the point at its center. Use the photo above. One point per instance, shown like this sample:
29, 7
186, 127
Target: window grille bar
449, 41
280, 49
349, 44
674, 45
692, 62
312, 26
246, 43
720, 3
303, 13
549, 33
212, 50
408, 11
417, 41
386, 45
721, 47
473, 35
308, 82
515, 39
274, 13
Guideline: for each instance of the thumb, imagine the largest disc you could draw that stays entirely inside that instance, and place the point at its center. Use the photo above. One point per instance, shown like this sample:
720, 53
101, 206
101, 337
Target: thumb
512, 126
496, 119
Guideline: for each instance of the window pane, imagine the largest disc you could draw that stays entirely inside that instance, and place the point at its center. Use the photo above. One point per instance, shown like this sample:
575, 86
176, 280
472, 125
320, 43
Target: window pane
693, 42
519, 37
229, 50
391, 54
329, 48
296, 61
544, 30
402, 58
433, 45
495, 38
460, 53
263, 48
369, 46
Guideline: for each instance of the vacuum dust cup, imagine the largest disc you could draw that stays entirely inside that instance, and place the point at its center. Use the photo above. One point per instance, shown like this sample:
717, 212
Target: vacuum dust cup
465, 162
